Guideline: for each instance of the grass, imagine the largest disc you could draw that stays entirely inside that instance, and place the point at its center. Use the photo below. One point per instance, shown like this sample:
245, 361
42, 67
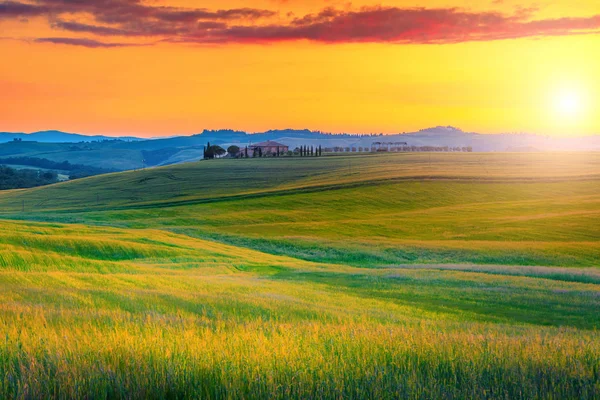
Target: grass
524, 219
219, 180
307, 279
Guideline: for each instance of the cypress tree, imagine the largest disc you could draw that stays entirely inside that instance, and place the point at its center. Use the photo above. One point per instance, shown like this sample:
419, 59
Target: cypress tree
312, 152
207, 152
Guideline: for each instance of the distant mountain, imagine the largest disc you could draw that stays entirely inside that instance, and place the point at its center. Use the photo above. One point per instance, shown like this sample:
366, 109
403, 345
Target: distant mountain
438, 136
57, 137
130, 152
454, 137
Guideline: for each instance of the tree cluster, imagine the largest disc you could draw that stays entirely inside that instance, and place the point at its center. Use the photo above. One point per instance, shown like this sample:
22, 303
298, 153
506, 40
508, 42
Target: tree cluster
233, 151
75, 170
11, 178
212, 152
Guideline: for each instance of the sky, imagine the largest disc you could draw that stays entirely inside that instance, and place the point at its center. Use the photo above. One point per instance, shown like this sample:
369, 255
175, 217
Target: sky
169, 67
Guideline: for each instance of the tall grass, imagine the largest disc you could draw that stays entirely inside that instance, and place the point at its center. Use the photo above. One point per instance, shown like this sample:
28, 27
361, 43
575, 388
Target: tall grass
237, 323
154, 357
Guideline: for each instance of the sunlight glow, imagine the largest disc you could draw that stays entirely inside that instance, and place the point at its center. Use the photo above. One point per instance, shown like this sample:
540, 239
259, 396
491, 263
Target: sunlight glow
568, 103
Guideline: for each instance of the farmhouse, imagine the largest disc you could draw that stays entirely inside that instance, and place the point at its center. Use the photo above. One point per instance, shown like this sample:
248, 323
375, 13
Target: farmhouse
268, 147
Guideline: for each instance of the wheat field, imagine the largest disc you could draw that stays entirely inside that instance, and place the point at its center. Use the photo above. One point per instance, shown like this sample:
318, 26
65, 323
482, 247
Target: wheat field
387, 276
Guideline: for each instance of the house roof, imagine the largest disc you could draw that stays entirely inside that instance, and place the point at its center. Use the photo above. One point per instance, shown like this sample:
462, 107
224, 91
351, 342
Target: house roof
268, 143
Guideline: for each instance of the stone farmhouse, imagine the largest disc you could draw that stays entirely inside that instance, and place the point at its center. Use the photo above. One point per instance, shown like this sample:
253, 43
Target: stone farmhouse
268, 147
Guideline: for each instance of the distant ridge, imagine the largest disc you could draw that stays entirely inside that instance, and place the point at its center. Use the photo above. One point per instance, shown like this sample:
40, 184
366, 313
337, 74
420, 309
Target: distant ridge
53, 136
436, 136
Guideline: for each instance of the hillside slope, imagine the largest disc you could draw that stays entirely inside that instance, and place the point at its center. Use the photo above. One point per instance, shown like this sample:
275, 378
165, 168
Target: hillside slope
104, 312
378, 210
218, 179
386, 276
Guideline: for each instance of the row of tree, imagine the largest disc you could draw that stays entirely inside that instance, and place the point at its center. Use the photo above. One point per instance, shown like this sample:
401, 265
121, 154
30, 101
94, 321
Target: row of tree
338, 149
211, 152
305, 151
236, 152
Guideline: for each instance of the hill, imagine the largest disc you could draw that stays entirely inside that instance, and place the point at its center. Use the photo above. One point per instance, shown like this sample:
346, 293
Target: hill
132, 153
407, 208
356, 276
53, 136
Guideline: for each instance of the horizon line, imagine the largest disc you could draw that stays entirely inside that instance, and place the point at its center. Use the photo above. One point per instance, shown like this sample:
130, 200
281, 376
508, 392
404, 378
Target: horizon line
170, 136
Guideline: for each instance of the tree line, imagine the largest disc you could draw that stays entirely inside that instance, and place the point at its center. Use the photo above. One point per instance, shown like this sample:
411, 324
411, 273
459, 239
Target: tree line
11, 178
75, 170
406, 149
312, 151
214, 151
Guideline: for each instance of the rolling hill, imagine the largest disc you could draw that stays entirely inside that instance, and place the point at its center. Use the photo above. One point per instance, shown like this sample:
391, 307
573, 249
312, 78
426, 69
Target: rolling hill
407, 208
129, 153
356, 276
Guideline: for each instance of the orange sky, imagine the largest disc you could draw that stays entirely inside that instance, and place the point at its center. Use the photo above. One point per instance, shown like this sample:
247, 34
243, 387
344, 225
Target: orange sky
154, 68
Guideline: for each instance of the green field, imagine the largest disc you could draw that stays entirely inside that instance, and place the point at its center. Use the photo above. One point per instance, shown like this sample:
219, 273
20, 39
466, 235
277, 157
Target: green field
359, 276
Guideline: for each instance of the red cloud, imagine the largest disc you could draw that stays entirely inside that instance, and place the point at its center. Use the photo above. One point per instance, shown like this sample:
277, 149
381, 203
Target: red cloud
132, 18
395, 25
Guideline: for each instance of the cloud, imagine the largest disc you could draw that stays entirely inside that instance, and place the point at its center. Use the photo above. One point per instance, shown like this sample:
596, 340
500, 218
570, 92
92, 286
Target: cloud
135, 19
85, 28
404, 26
81, 42
12, 9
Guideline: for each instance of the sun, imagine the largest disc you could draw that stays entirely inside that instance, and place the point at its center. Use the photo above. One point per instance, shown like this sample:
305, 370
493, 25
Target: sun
568, 103
570, 107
